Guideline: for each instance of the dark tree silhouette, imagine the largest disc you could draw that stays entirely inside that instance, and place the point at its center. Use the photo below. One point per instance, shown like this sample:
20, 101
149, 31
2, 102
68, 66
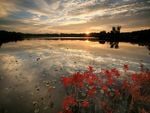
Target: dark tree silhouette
6, 36
115, 37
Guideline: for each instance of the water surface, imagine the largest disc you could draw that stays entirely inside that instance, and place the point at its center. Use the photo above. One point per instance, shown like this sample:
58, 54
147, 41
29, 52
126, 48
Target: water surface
30, 69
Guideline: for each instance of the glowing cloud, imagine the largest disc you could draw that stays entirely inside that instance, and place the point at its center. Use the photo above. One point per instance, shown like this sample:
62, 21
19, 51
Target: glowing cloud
48, 16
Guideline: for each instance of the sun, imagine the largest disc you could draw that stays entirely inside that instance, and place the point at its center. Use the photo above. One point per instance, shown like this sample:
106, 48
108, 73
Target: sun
87, 33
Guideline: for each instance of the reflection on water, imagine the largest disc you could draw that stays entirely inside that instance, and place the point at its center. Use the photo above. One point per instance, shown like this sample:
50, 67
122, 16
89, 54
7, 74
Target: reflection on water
115, 44
30, 70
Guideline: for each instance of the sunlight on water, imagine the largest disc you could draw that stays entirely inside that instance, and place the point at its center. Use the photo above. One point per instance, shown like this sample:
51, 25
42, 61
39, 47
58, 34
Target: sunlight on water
87, 41
29, 67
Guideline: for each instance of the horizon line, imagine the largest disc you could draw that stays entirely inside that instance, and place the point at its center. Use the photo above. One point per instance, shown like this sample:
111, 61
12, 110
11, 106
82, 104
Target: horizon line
76, 33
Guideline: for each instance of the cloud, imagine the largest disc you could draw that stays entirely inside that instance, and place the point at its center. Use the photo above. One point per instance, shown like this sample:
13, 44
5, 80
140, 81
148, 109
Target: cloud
6, 8
73, 15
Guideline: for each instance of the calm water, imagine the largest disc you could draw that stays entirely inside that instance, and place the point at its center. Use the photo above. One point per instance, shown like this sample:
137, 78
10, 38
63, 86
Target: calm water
28, 69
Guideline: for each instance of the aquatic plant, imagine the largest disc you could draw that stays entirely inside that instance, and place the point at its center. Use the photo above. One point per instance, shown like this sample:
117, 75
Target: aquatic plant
109, 91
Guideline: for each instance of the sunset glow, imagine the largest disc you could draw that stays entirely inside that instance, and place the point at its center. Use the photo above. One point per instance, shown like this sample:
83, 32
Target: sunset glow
74, 56
87, 33
73, 16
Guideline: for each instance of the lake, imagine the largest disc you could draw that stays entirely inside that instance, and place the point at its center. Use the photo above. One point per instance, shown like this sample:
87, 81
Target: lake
30, 68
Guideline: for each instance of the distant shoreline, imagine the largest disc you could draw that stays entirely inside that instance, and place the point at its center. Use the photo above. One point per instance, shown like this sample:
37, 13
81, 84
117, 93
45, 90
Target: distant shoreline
137, 37
66, 38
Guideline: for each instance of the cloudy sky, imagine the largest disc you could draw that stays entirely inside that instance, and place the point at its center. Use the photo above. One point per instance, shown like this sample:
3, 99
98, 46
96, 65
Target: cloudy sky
76, 16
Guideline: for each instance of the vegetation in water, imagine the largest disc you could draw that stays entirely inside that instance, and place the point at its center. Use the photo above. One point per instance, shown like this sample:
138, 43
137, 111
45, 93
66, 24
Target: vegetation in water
109, 91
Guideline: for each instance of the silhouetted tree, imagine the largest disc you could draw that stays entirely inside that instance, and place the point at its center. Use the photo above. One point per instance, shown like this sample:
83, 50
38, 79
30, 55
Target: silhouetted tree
140, 37
115, 37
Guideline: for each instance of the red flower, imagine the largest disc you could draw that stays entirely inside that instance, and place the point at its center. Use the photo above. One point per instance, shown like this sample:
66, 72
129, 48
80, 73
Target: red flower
99, 81
85, 104
78, 79
125, 84
108, 73
91, 92
66, 81
115, 72
80, 84
117, 93
90, 81
90, 78
105, 88
126, 67
69, 101
90, 68
110, 81
134, 77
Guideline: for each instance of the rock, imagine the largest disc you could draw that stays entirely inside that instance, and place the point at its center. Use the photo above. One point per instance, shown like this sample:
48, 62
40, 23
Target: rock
37, 88
38, 59
47, 83
36, 110
34, 103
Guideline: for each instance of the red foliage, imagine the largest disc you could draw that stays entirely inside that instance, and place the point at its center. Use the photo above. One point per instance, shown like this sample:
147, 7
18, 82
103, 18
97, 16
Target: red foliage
125, 84
91, 92
126, 67
115, 72
110, 81
85, 104
77, 79
140, 87
117, 93
134, 77
90, 68
69, 101
91, 79
108, 73
105, 88
86, 86
66, 81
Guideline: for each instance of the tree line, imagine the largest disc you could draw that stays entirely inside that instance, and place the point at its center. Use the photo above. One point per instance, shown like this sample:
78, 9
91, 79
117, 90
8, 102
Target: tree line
114, 35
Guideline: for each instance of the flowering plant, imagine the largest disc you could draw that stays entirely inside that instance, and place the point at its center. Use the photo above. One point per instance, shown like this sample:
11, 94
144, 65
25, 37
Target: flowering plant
109, 91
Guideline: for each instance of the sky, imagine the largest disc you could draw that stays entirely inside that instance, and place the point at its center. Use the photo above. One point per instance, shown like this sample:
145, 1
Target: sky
73, 16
